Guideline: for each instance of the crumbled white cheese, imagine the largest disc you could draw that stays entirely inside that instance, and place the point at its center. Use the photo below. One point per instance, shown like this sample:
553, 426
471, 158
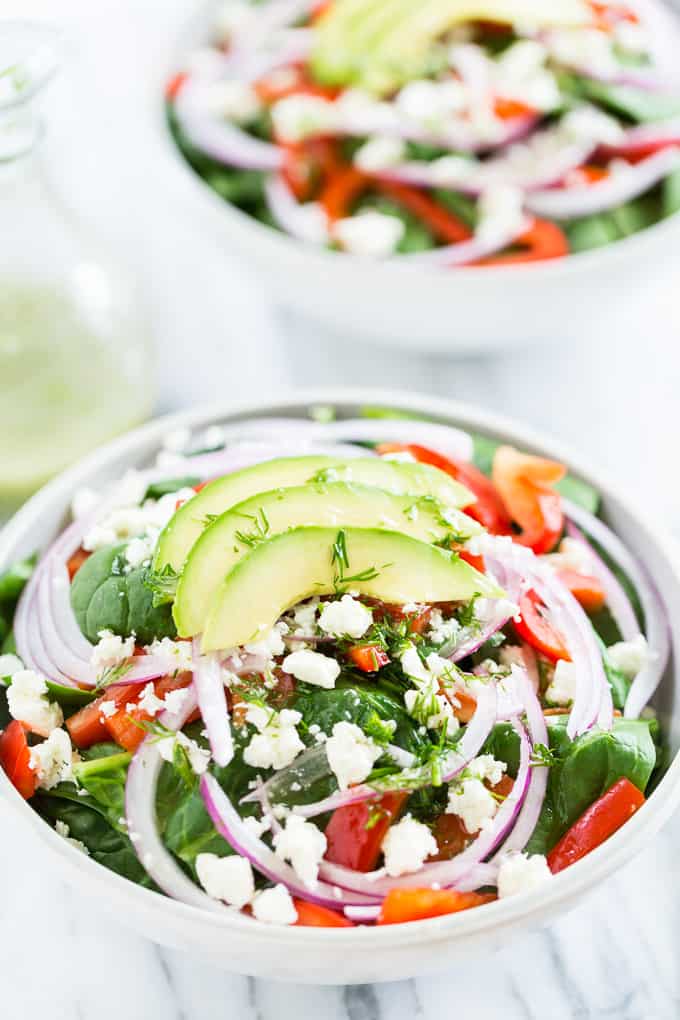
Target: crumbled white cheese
62, 829
441, 630
585, 49
345, 617
304, 615
257, 826
379, 153
451, 171
485, 766
52, 760
107, 709
199, 757
175, 655
312, 668
297, 117
370, 234
275, 906
501, 212
277, 743
28, 702
520, 873
229, 879
426, 702
232, 99
174, 700
431, 103
270, 643
111, 650
351, 754
149, 701
589, 124
406, 846
562, 689
139, 550
301, 843
630, 656
473, 803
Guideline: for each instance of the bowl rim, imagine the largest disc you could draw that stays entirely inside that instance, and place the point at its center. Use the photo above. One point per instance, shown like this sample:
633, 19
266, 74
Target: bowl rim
523, 908
282, 245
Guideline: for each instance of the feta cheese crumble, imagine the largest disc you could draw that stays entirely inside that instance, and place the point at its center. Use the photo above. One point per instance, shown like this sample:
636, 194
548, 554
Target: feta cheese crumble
351, 754
426, 702
303, 844
520, 873
199, 757
270, 643
149, 701
28, 702
229, 879
630, 656
62, 829
111, 650
369, 234
562, 688
406, 846
473, 803
176, 655
312, 668
379, 153
52, 760
297, 117
277, 743
347, 617
275, 906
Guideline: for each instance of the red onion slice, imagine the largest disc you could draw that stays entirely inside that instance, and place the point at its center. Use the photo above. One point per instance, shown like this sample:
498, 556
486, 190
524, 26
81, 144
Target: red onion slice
618, 603
230, 826
644, 137
305, 221
622, 185
212, 702
656, 620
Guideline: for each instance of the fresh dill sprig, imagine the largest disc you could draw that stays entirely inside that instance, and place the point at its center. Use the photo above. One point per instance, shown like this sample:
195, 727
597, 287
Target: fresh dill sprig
163, 583
113, 675
543, 756
260, 531
340, 558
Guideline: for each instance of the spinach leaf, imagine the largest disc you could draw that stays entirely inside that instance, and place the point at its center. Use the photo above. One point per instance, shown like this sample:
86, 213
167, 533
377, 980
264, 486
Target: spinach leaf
106, 844
670, 194
104, 779
104, 597
13, 580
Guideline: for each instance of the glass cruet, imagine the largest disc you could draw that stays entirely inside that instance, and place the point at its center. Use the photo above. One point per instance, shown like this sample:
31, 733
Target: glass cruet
75, 347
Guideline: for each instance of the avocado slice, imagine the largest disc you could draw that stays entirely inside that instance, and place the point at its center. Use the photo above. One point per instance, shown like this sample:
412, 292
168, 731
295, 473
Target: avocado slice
186, 526
338, 504
400, 37
286, 569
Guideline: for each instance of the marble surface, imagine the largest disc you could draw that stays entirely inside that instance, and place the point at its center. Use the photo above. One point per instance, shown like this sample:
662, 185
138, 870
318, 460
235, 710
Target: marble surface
612, 394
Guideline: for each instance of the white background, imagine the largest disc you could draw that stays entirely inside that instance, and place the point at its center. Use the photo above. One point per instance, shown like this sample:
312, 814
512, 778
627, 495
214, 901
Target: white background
613, 394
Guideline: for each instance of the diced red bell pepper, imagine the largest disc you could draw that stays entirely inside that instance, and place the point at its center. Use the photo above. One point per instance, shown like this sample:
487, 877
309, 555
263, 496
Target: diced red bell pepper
402, 905
443, 224
15, 759
542, 240
356, 831
596, 824
310, 915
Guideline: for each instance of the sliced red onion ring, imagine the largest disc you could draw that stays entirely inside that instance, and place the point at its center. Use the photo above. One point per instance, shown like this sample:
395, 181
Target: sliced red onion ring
230, 826
446, 874
618, 603
305, 221
268, 20
623, 184
226, 143
643, 137
140, 810
656, 620
483, 243
212, 702
362, 914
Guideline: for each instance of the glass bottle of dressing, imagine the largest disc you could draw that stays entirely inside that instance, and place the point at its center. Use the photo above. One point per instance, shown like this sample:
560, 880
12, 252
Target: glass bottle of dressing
75, 350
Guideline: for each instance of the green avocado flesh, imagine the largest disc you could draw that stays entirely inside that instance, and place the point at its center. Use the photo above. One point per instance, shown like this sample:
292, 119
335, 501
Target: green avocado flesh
286, 569
381, 44
187, 525
337, 504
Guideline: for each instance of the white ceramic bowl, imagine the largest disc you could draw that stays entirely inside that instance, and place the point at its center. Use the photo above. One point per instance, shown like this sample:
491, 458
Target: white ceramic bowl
338, 956
461, 311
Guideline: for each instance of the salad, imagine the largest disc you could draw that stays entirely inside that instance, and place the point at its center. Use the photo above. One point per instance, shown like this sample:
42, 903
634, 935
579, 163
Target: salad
438, 133
334, 672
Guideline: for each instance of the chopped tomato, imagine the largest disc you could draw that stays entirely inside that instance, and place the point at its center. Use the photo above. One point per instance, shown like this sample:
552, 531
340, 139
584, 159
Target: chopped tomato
586, 589
341, 191
475, 561
356, 831
279, 695
585, 175
88, 726
596, 824
533, 626
417, 904
417, 619
451, 835
542, 240
368, 658
76, 562
174, 85
126, 725
509, 109
15, 759
606, 16
443, 224
525, 484
488, 509
308, 164
464, 704
310, 915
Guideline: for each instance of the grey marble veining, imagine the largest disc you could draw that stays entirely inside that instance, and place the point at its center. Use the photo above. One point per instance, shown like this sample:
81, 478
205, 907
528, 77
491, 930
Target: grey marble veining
612, 394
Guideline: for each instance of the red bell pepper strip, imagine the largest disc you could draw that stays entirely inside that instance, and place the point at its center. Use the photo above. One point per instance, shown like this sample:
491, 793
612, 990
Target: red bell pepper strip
310, 915
586, 589
15, 759
443, 224
356, 831
596, 824
402, 905
488, 509
525, 484
542, 240
533, 626
340, 192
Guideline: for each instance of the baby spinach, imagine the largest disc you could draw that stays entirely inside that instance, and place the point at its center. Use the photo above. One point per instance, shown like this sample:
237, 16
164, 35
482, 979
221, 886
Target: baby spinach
12, 582
104, 597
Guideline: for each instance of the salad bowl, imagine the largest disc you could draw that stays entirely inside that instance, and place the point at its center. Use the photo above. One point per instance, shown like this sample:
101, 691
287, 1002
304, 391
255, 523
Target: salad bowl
391, 952
416, 299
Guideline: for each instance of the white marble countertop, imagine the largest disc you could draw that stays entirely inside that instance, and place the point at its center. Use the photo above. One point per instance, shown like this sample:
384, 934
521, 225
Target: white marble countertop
613, 394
